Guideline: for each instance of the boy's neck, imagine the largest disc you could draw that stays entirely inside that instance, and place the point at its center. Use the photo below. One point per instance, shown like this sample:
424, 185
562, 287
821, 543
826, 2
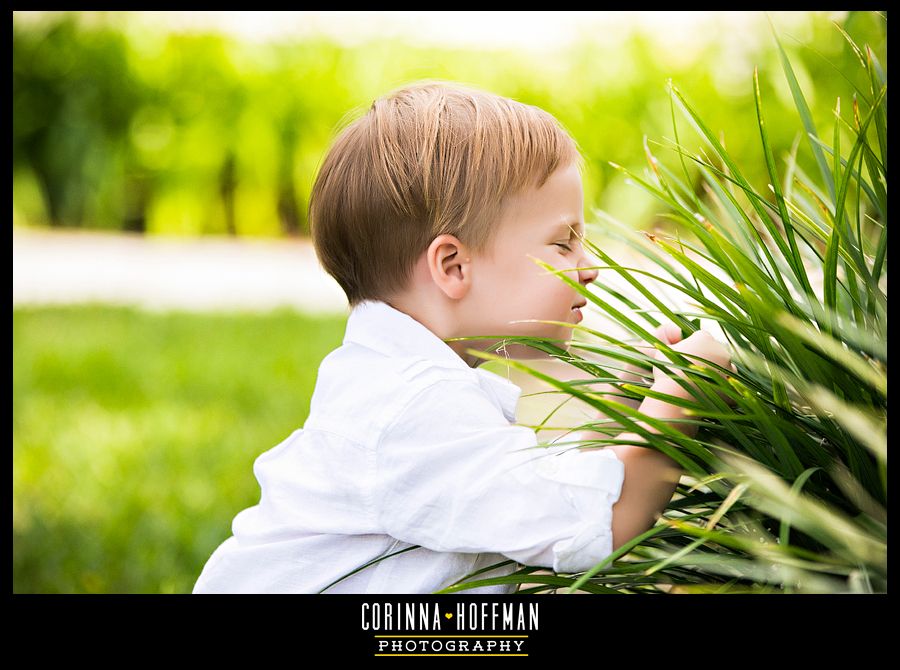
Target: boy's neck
442, 322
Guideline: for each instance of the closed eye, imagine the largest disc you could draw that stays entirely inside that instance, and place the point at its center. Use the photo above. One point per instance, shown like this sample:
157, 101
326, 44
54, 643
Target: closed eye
564, 246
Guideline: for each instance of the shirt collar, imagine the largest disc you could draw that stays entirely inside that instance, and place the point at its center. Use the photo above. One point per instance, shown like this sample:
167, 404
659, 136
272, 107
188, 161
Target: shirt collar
379, 326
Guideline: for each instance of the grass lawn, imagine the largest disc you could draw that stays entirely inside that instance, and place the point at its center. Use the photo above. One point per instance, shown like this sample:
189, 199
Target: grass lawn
134, 435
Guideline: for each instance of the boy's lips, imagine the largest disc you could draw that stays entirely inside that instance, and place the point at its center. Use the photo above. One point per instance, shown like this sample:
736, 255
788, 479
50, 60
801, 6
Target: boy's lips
577, 309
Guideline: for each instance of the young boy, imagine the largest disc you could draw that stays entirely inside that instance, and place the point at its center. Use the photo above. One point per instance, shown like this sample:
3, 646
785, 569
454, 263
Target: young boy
426, 211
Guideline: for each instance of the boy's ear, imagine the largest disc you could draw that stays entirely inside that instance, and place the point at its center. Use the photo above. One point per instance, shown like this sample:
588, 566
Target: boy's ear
449, 263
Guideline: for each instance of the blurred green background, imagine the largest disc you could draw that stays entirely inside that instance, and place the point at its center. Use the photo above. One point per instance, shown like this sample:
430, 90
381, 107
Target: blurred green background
121, 125
134, 432
134, 436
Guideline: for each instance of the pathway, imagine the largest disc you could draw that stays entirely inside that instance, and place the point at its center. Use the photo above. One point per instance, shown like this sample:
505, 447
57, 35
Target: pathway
53, 267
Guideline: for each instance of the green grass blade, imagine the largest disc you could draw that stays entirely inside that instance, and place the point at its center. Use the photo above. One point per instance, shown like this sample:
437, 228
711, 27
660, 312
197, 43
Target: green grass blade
805, 115
878, 82
620, 317
367, 565
774, 268
839, 223
785, 527
880, 255
552, 580
670, 314
834, 348
856, 50
618, 553
794, 260
678, 142
836, 152
828, 525
640, 242
877, 199
764, 217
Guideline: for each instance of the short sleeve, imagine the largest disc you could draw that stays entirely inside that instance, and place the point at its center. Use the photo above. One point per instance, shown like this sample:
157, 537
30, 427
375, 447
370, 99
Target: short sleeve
453, 475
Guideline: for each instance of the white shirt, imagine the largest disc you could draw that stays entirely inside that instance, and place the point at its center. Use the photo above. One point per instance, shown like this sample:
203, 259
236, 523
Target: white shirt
406, 445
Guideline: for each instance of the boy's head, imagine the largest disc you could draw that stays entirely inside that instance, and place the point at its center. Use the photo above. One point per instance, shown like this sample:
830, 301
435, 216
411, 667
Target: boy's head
433, 200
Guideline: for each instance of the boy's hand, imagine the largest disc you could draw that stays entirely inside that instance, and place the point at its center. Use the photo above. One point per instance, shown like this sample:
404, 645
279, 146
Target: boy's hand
700, 345
668, 333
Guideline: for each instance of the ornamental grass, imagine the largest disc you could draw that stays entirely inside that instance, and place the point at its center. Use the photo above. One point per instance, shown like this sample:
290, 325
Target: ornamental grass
785, 486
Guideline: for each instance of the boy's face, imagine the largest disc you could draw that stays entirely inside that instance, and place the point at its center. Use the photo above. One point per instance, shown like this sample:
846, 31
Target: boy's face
509, 286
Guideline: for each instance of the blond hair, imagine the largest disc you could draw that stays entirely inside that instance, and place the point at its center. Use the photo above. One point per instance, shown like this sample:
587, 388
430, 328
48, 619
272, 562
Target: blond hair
429, 159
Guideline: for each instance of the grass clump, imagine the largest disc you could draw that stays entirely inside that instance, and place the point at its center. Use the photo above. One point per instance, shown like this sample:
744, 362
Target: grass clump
785, 487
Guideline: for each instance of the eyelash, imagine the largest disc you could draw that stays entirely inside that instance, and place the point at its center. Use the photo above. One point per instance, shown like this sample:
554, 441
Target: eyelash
564, 246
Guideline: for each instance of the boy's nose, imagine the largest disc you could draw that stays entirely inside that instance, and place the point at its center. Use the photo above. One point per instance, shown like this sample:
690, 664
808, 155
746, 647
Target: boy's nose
587, 274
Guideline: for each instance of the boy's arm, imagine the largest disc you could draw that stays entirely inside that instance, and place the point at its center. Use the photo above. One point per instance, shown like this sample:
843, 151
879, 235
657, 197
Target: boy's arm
651, 476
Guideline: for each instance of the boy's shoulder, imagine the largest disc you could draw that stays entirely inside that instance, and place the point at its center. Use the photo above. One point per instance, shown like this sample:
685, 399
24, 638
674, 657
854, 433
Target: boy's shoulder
363, 392
388, 364
386, 347
364, 386
380, 372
